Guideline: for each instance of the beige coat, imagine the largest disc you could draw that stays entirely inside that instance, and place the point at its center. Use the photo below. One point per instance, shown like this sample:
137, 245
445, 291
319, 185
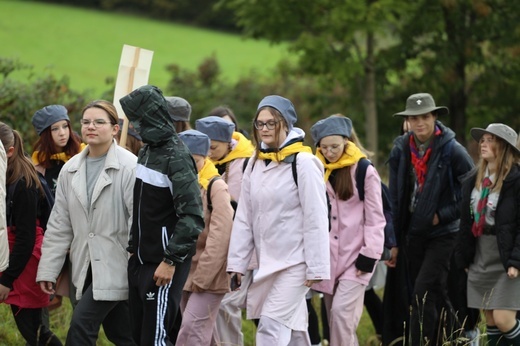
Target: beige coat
97, 234
4, 246
208, 266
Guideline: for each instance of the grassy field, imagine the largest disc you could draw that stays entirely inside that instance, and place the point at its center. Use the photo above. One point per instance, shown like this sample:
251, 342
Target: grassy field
60, 318
86, 45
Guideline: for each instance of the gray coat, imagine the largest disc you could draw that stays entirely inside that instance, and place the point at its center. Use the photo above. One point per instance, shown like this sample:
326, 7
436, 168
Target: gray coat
96, 234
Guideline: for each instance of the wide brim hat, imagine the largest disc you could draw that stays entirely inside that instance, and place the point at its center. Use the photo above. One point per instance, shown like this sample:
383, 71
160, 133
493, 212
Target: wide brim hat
501, 131
334, 125
422, 103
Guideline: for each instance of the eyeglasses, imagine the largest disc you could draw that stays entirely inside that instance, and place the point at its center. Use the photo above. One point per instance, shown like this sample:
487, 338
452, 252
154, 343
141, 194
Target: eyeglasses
334, 149
271, 124
97, 122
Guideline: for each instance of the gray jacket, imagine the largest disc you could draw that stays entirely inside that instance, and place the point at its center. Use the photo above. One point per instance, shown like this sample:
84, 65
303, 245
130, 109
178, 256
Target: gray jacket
96, 234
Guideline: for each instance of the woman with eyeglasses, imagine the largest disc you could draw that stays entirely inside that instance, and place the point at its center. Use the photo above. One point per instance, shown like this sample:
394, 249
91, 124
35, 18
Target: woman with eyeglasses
489, 239
357, 226
282, 216
56, 144
91, 217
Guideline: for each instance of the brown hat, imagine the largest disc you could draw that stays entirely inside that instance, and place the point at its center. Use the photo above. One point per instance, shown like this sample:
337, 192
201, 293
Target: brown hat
422, 103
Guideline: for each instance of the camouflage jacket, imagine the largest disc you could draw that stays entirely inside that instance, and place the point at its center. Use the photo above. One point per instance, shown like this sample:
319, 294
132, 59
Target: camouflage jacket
168, 216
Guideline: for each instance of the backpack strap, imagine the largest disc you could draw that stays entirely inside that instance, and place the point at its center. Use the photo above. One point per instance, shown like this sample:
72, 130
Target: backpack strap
246, 161
294, 170
208, 193
361, 173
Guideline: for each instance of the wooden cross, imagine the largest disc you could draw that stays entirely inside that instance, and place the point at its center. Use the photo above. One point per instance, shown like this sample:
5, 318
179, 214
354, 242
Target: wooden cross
134, 70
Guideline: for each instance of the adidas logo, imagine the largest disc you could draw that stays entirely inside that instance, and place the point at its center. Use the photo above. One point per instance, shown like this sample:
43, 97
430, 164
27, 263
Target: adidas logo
150, 296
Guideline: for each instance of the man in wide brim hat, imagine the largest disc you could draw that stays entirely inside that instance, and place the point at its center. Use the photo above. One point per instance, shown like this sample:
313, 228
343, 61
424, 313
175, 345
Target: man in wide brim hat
422, 103
498, 130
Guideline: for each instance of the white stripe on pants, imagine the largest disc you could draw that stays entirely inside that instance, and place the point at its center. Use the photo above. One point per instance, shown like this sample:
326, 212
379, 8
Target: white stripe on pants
344, 311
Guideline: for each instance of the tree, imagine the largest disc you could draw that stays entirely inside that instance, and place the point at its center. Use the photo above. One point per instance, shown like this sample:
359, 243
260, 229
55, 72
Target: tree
464, 52
338, 40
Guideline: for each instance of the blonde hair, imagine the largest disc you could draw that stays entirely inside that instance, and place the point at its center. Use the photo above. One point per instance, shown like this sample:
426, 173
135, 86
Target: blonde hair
506, 158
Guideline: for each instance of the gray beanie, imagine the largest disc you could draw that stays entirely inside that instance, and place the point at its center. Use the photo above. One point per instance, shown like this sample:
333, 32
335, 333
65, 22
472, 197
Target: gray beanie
197, 142
282, 105
216, 128
48, 115
334, 125
178, 108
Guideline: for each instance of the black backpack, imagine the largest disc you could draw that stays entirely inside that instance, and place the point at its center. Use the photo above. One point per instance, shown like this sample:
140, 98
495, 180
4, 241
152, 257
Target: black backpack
390, 240
44, 205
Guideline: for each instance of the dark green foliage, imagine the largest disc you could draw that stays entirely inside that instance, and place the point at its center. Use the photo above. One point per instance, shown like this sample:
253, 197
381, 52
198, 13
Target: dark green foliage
19, 100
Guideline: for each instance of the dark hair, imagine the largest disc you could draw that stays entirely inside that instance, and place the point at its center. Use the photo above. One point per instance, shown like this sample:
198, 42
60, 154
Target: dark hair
222, 111
18, 165
107, 107
46, 147
181, 126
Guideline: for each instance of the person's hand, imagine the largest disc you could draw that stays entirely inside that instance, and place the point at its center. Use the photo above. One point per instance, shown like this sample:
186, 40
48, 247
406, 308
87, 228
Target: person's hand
236, 281
360, 272
391, 263
435, 219
512, 272
163, 274
309, 283
47, 287
4, 292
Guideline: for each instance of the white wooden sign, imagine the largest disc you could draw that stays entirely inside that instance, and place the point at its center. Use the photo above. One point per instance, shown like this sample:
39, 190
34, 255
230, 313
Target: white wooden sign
134, 71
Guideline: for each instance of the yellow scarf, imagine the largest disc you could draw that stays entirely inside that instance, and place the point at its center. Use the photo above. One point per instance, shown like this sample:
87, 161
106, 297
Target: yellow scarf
352, 156
58, 156
294, 148
243, 149
207, 172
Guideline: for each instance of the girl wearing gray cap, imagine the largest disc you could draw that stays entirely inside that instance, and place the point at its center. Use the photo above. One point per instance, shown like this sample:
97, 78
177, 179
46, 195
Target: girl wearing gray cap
230, 152
207, 281
18, 286
357, 227
285, 221
489, 244
56, 144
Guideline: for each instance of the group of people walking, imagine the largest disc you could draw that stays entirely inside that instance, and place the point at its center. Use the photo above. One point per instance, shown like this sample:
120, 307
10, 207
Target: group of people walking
202, 223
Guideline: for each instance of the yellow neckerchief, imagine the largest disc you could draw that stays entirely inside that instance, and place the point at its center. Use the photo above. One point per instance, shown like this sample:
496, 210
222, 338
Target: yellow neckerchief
207, 172
352, 156
243, 149
294, 148
58, 156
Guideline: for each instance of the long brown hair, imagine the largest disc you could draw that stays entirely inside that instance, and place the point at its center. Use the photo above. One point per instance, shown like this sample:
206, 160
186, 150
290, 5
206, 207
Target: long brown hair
280, 122
18, 164
46, 147
506, 157
344, 186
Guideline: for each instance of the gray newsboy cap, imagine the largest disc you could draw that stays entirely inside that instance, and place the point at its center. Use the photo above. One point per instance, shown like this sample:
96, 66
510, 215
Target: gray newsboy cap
48, 115
501, 131
335, 125
197, 142
178, 108
282, 105
216, 128
422, 103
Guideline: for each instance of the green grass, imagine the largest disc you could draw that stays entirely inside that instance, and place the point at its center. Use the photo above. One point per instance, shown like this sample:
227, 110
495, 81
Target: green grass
86, 45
